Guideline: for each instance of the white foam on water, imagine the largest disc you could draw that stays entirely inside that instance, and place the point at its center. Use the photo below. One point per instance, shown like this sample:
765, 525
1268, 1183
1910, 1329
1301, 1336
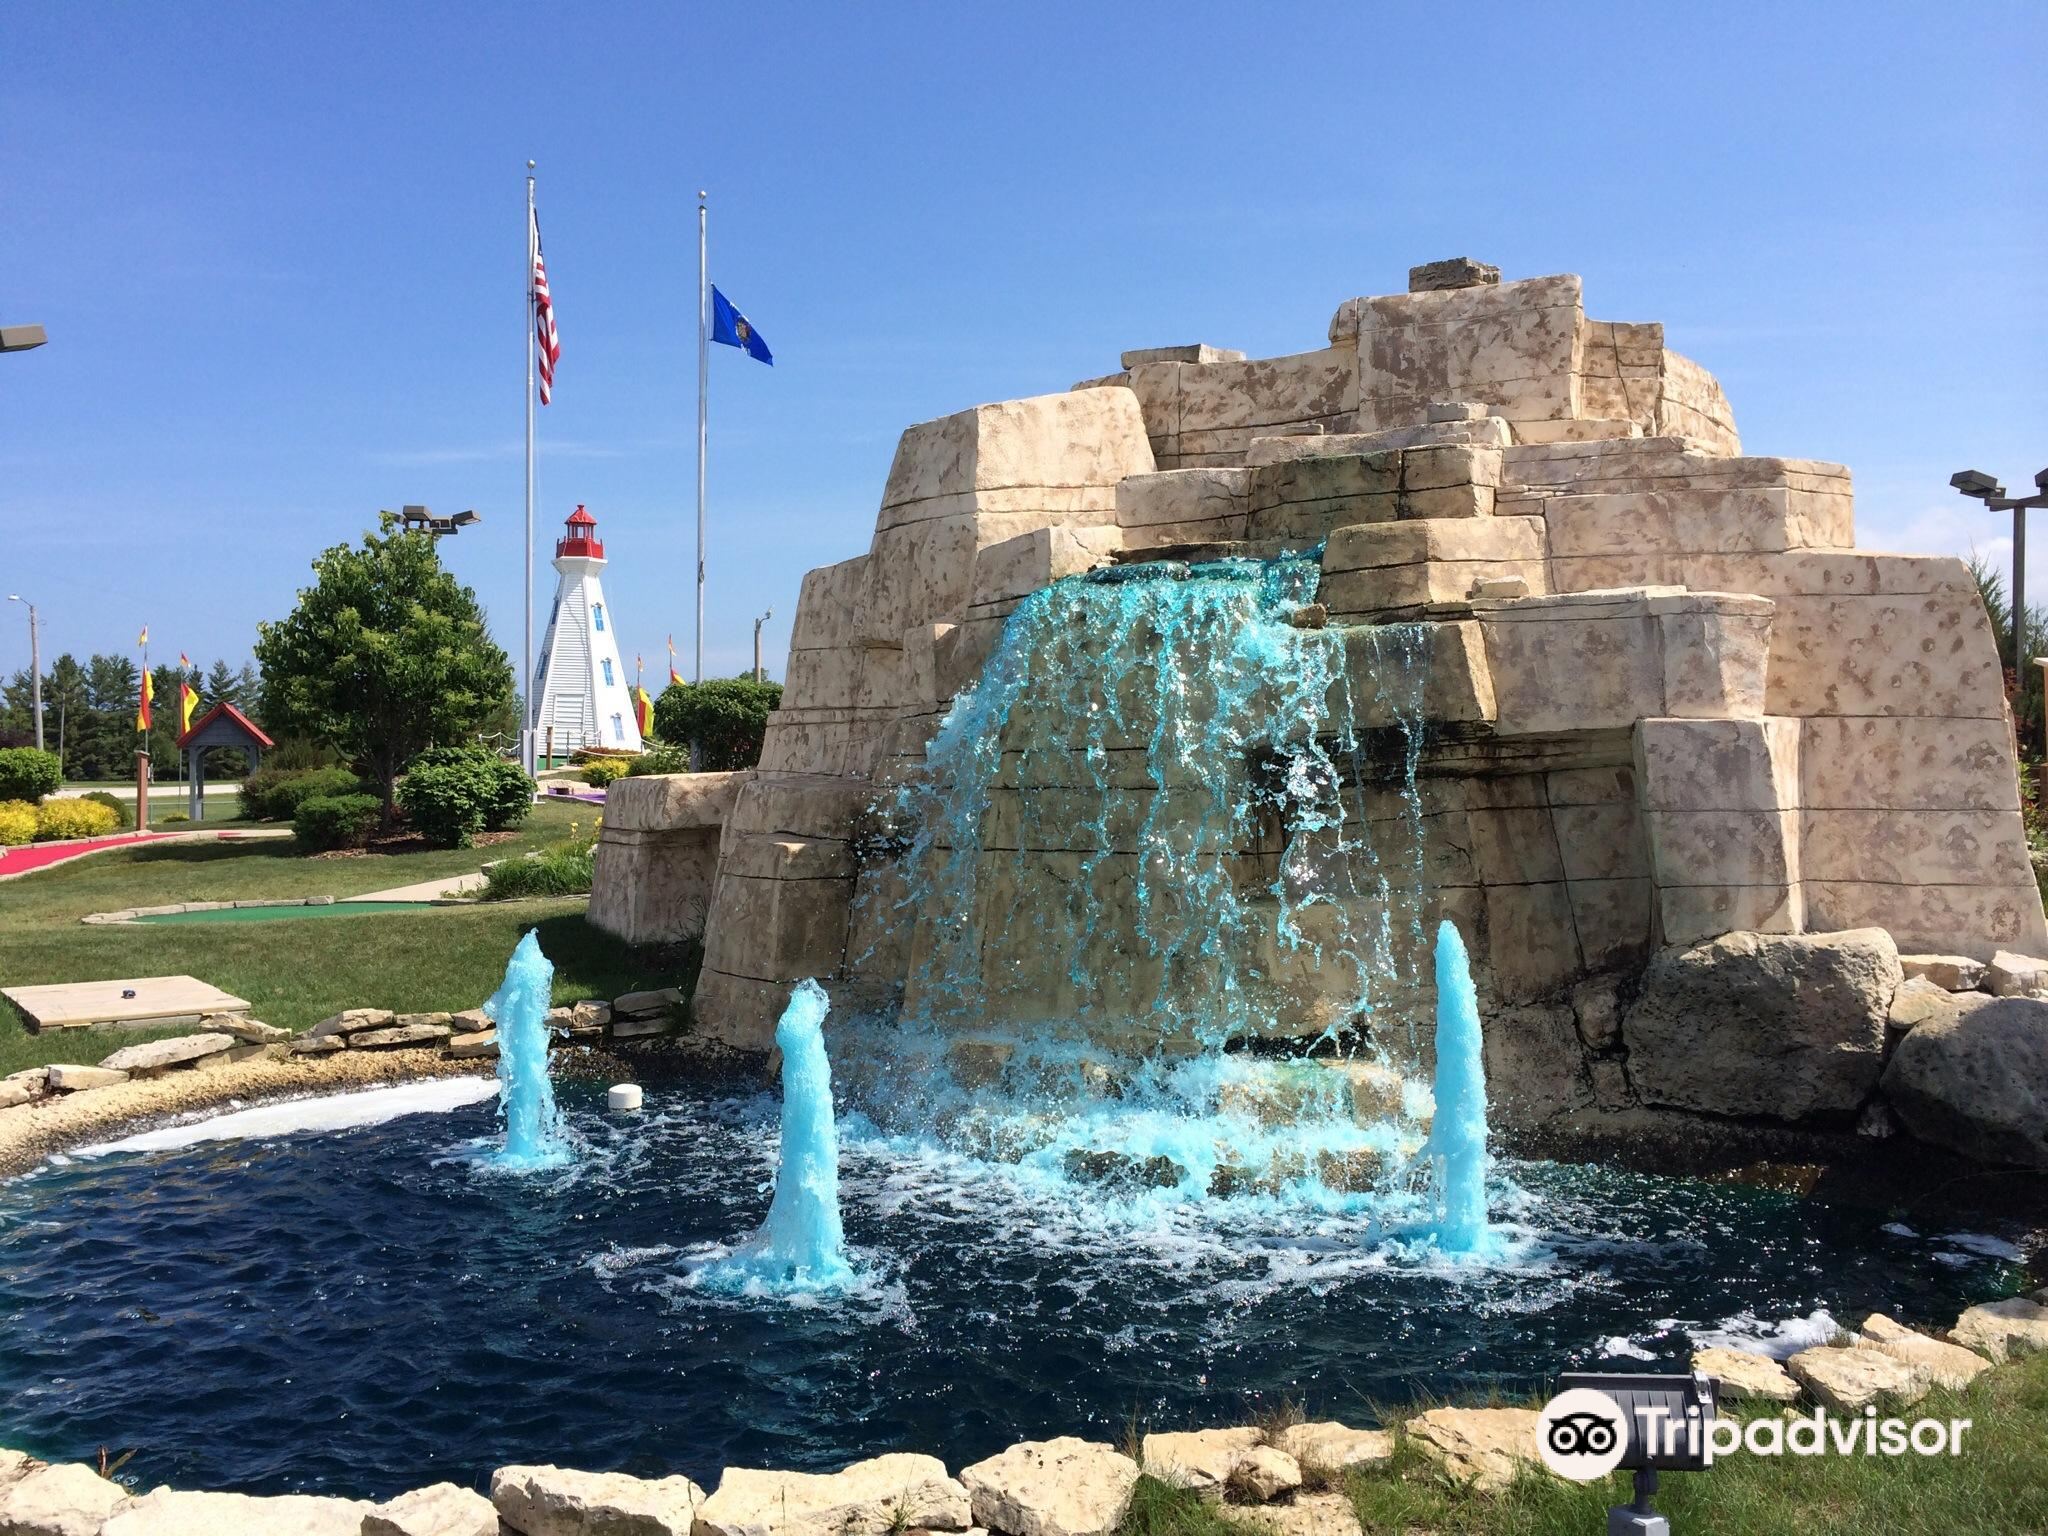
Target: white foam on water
295, 1117
1621, 1347
1983, 1246
1898, 1229
1780, 1340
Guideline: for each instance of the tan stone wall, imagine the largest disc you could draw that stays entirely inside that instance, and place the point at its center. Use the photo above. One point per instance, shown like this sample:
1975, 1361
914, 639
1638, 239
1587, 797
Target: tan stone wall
1771, 730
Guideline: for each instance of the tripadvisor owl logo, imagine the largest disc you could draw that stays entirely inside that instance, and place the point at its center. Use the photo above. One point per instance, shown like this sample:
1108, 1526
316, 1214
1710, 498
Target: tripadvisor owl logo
1581, 1434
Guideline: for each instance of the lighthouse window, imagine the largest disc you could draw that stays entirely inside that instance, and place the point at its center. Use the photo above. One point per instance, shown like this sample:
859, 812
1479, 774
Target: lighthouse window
618, 729
606, 663
598, 610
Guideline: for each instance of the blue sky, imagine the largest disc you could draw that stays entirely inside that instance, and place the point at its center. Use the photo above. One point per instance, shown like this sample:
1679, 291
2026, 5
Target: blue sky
278, 250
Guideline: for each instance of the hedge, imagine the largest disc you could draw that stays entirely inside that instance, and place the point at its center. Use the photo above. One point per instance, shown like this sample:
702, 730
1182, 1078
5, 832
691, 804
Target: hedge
336, 821
26, 774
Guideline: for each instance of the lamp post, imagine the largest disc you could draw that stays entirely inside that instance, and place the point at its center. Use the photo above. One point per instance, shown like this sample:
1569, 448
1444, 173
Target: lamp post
416, 519
35, 667
1979, 486
757, 641
21, 338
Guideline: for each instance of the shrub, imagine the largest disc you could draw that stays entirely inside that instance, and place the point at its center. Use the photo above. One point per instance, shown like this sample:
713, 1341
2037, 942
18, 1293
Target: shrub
659, 759
17, 823
73, 818
448, 803
335, 821
273, 795
510, 793
558, 872
600, 771
170, 818
726, 719
126, 817
26, 774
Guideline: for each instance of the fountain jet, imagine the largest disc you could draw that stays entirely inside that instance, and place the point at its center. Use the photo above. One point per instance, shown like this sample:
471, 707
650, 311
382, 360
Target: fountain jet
519, 1008
802, 1244
1457, 1141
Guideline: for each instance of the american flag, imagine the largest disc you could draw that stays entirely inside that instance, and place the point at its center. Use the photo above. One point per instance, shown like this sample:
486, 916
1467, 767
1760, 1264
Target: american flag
548, 345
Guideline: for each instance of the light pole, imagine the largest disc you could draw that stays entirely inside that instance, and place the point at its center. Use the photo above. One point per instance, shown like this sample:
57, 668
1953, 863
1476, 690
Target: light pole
757, 641
35, 667
1979, 486
417, 519
21, 338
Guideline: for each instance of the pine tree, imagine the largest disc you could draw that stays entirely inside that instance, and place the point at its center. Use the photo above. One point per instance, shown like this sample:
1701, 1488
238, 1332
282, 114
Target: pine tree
67, 706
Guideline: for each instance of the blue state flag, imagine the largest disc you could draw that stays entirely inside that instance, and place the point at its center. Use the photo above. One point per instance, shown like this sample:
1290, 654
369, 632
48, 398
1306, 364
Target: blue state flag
736, 330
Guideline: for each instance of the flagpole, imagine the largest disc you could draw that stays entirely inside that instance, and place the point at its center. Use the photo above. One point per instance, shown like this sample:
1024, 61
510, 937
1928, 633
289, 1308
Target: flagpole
526, 653
703, 415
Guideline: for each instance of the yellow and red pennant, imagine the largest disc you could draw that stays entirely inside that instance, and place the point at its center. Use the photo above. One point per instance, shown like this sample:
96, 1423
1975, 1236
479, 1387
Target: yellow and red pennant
643, 710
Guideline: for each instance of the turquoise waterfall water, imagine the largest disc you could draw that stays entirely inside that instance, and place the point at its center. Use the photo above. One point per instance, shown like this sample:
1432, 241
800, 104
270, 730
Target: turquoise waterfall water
1457, 1141
1149, 778
519, 1008
802, 1244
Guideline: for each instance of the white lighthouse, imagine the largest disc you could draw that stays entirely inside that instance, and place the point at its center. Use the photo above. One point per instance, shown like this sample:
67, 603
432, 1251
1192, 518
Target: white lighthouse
584, 695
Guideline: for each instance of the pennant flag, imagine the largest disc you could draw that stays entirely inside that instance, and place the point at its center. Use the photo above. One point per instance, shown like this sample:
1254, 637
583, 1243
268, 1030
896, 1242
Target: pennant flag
547, 344
143, 638
188, 701
142, 711
674, 677
184, 662
643, 710
736, 330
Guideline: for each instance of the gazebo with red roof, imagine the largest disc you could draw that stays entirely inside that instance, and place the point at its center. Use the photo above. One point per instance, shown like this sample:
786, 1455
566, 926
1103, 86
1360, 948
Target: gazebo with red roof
221, 726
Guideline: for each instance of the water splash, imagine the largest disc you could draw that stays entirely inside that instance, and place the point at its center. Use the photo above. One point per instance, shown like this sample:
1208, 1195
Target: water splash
1150, 818
1457, 1142
534, 1137
802, 1244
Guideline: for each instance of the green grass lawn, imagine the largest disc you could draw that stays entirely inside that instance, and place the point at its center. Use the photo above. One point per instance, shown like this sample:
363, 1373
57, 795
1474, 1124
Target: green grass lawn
296, 972
1998, 1486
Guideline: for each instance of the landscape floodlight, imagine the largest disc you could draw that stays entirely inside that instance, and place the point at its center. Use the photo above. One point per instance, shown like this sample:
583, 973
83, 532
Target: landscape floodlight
1974, 482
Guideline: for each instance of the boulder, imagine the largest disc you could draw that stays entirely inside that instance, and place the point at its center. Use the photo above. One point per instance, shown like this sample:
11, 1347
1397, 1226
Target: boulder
1535, 1065
67, 1078
651, 1004
1746, 1376
317, 1045
2011, 975
1788, 1027
469, 1021
1919, 1001
15, 1465
398, 1035
1265, 1473
169, 1512
1200, 1460
2004, 1330
416, 1020
1308, 1514
350, 1021
65, 1500
1852, 1379
1333, 1447
589, 1017
1952, 973
248, 1031
870, 1498
1483, 1447
640, 1029
441, 1510
154, 1056
556, 1501
484, 1043
1946, 1365
1977, 1082
1062, 1487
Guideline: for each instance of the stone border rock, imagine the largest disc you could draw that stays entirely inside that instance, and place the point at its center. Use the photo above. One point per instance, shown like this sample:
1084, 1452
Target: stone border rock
1060, 1487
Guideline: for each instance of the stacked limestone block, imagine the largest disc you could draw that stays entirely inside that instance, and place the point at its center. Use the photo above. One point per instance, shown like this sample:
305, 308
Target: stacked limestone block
1667, 697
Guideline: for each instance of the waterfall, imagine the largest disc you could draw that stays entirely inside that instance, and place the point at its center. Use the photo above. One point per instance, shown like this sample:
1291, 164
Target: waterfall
1457, 1142
1137, 822
519, 1009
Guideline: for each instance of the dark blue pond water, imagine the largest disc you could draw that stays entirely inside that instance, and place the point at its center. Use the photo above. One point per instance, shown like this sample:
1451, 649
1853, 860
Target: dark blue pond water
370, 1309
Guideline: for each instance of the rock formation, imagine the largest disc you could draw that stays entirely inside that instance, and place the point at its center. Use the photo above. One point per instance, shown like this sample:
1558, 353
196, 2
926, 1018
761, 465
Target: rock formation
1661, 696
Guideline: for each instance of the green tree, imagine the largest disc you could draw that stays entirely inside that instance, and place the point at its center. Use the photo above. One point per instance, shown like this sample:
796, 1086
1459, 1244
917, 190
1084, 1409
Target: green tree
385, 655
2023, 693
67, 706
724, 718
222, 686
104, 747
